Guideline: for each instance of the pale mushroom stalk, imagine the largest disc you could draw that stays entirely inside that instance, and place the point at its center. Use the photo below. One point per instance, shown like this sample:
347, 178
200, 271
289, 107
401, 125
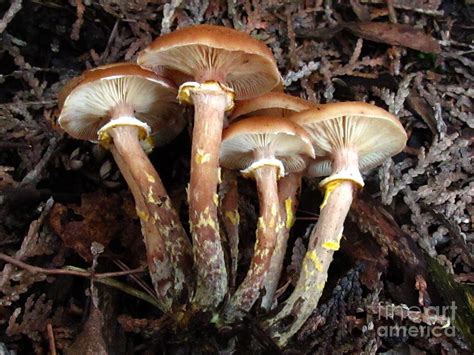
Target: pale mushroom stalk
268, 225
231, 220
348, 138
106, 104
276, 104
168, 250
213, 64
208, 254
265, 148
324, 241
288, 191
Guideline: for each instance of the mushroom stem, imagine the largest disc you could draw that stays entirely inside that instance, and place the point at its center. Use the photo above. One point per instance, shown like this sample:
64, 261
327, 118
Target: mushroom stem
268, 226
209, 108
168, 249
288, 191
231, 221
324, 241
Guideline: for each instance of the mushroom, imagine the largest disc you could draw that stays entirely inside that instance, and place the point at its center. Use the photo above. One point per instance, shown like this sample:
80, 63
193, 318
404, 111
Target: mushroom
222, 63
264, 148
277, 104
353, 137
274, 104
107, 104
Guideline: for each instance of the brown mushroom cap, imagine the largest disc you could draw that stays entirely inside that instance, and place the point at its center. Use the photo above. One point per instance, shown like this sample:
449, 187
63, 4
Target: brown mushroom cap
276, 104
86, 101
372, 132
285, 140
206, 52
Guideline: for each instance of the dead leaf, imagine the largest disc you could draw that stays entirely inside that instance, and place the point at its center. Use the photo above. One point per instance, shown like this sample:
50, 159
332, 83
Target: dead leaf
394, 34
421, 107
99, 218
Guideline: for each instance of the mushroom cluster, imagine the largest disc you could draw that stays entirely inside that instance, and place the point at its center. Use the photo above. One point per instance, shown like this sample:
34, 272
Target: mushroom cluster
273, 138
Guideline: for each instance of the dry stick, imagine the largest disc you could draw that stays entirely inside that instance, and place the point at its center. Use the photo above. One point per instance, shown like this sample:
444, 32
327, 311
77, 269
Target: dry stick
231, 218
37, 269
164, 235
268, 225
29, 243
288, 191
146, 288
208, 254
104, 278
10, 14
324, 241
34, 175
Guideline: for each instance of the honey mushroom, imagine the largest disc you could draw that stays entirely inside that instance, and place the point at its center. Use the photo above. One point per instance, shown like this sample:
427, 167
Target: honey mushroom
107, 105
214, 65
353, 137
275, 104
263, 148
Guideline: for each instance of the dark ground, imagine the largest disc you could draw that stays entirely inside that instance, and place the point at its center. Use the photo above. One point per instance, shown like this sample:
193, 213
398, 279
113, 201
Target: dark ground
409, 240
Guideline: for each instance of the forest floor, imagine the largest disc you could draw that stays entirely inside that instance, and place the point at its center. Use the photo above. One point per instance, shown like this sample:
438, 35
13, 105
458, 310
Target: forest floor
408, 243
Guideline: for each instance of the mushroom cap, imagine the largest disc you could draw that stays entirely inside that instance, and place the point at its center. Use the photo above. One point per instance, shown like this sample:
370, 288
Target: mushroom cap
275, 104
372, 132
87, 101
215, 53
284, 139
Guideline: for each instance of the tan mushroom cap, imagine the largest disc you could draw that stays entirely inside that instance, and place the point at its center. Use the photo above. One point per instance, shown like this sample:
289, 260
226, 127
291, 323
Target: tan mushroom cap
372, 132
87, 100
275, 104
283, 139
206, 52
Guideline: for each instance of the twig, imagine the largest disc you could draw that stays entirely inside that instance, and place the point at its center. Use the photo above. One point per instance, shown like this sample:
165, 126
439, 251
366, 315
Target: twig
52, 345
34, 175
29, 242
67, 270
10, 14
103, 278
76, 27
135, 278
112, 36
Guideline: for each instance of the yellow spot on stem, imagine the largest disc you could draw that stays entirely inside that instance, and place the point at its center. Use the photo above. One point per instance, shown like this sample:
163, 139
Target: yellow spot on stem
150, 197
329, 187
274, 210
314, 258
261, 224
233, 217
290, 220
202, 157
142, 215
271, 224
320, 286
150, 178
205, 220
215, 199
331, 245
